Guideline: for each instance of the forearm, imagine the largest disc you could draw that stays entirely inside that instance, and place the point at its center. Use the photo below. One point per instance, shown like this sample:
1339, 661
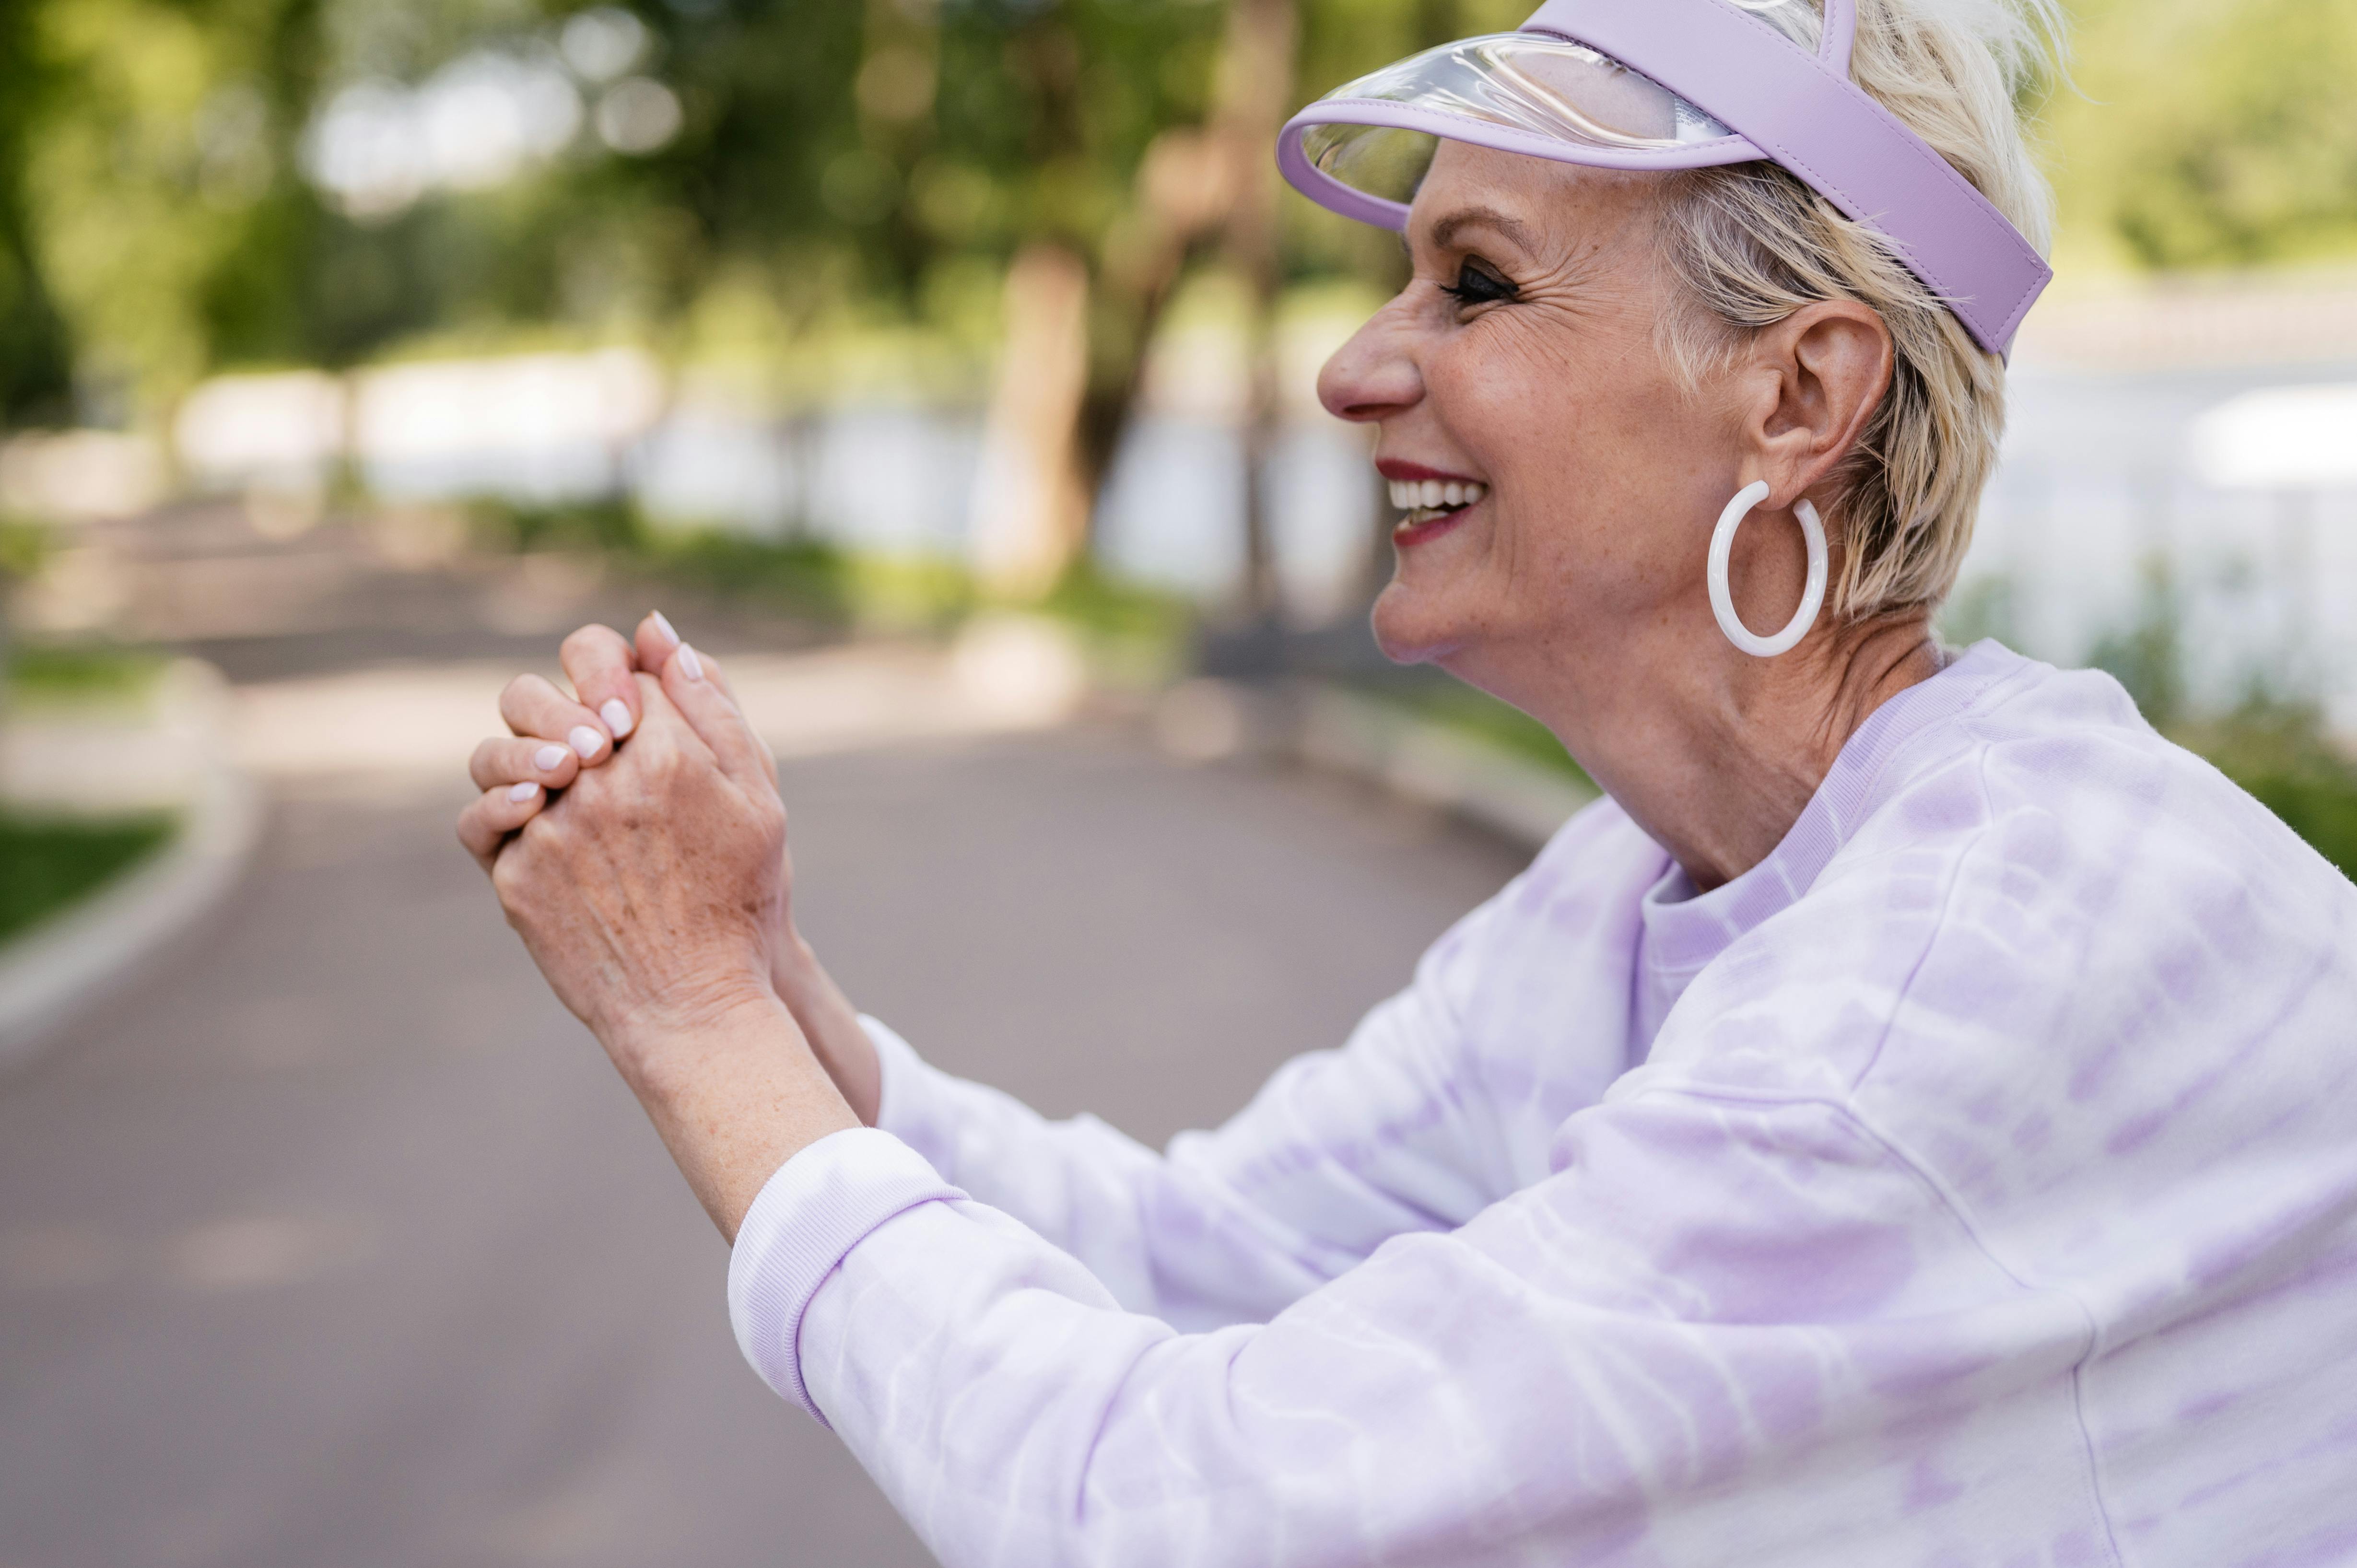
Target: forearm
1337, 1153
732, 1096
1529, 1386
830, 1024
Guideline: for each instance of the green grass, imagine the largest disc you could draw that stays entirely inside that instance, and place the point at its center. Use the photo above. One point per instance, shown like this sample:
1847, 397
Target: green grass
1482, 716
2280, 752
80, 674
2272, 744
1137, 629
2323, 811
2276, 751
48, 863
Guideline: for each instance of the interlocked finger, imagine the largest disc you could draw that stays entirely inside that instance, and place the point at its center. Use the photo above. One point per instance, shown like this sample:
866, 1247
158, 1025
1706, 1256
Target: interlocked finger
485, 826
659, 649
533, 707
518, 759
690, 681
602, 667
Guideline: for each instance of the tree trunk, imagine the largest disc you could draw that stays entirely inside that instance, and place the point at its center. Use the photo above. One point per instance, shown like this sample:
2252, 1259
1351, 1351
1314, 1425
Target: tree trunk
1030, 505
1184, 191
1194, 185
1255, 89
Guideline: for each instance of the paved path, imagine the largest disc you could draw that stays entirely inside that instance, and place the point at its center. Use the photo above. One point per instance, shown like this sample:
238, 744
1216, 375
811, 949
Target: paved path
337, 1245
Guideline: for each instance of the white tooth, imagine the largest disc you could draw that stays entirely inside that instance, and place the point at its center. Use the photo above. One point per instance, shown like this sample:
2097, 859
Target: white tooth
1399, 495
1431, 492
1453, 494
1473, 493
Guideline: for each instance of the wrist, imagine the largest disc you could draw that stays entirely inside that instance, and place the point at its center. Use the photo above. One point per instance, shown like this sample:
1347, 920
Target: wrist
733, 1094
829, 1022
794, 969
653, 1046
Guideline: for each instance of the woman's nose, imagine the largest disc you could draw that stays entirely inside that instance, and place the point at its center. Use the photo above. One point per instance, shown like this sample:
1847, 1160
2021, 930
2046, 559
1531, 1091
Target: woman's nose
1375, 374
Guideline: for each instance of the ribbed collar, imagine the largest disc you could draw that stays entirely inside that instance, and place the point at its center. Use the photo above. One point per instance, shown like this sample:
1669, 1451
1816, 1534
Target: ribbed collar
1684, 930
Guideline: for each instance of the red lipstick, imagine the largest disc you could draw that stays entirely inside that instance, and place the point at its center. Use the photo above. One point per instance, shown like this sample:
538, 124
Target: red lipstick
1393, 468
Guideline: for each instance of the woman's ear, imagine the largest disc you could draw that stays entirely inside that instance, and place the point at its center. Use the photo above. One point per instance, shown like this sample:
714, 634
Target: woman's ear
1820, 374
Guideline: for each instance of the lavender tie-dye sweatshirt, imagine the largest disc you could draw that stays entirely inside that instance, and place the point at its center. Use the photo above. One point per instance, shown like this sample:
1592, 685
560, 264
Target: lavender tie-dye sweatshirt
1972, 1181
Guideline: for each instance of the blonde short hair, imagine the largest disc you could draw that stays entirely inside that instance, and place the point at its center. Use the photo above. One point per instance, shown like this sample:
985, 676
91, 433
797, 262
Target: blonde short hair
1750, 243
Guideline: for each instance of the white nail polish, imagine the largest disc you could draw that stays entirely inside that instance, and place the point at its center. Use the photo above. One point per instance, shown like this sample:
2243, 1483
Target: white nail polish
586, 741
548, 757
521, 793
617, 716
663, 624
689, 663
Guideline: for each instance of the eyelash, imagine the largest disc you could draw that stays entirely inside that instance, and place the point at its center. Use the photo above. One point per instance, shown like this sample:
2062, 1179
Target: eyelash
1488, 289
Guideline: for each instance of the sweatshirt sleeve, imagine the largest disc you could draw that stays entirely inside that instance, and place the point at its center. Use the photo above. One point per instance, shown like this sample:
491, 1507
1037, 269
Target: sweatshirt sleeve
1702, 1287
1338, 1152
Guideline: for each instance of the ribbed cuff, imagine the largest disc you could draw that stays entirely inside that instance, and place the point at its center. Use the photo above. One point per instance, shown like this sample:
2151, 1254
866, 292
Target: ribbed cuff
811, 1214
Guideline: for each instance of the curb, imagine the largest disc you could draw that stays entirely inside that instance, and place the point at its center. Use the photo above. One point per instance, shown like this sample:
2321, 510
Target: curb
49, 978
1345, 731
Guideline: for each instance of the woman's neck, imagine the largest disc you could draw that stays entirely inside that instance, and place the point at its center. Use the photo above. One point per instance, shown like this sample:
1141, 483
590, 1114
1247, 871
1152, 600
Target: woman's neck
1716, 760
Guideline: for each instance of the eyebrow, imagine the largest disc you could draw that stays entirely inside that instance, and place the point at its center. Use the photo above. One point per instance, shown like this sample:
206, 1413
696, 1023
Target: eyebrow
1446, 231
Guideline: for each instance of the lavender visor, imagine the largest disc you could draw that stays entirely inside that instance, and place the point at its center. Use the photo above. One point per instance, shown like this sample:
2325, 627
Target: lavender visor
1672, 84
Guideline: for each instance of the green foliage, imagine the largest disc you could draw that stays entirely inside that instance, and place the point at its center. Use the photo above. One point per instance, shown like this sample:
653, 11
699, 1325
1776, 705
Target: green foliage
841, 160
1982, 607
24, 545
2211, 132
513, 527
799, 576
2320, 807
1134, 632
2147, 656
80, 674
872, 161
1136, 638
48, 863
36, 367
1450, 703
159, 168
805, 577
1097, 605
2280, 752
2274, 746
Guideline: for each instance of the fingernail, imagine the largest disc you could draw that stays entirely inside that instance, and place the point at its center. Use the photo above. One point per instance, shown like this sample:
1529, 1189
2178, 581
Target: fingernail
523, 791
663, 624
586, 741
617, 716
689, 663
548, 759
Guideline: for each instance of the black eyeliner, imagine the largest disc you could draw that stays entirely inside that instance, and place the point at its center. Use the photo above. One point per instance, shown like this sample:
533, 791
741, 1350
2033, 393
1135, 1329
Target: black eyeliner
1491, 290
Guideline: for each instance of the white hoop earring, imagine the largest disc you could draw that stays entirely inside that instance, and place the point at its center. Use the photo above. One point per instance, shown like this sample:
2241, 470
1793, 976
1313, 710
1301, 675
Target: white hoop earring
1722, 603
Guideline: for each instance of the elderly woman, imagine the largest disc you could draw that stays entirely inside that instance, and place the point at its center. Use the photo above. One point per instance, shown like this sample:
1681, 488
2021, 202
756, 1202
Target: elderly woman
1912, 1118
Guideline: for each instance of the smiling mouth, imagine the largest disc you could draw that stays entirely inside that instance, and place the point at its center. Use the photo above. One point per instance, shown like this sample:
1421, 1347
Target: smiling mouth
1428, 500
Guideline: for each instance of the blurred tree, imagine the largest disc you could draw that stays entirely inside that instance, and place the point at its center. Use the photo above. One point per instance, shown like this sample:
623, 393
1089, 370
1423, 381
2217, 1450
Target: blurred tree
159, 180
2211, 132
1257, 68
36, 366
753, 169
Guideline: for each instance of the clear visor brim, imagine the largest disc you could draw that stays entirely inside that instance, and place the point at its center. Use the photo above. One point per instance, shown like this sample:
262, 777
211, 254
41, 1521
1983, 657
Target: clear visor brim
1528, 84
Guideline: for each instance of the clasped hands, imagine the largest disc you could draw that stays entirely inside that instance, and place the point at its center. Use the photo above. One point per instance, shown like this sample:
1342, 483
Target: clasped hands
637, 843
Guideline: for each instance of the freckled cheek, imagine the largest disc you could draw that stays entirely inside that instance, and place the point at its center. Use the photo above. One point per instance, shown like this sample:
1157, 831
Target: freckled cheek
1506, 405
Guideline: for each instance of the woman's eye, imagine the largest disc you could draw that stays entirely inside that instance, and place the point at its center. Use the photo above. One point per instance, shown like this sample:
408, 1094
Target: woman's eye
1477, 285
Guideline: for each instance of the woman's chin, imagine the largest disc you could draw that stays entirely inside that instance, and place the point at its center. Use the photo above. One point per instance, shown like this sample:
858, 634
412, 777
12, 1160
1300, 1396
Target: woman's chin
1407, 628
